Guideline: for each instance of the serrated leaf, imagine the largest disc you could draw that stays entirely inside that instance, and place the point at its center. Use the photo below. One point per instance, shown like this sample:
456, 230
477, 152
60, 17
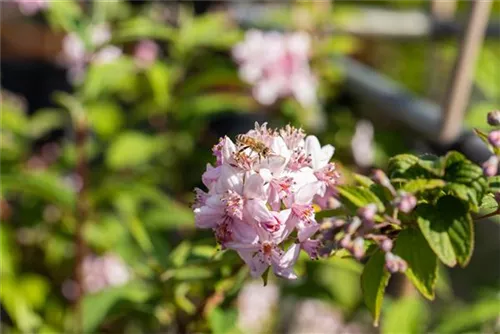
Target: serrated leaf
356, 197
448, 229
406, 315
408, 166
489, 203
494, 184
422, 262
374, 279
415, 186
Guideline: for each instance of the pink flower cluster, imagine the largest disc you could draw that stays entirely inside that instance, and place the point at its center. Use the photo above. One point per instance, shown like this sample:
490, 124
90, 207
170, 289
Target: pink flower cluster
277, 65
261, 191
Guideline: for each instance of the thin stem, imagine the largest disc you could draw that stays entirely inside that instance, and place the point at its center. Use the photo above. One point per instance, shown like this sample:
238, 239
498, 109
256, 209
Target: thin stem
491, 214
81, 218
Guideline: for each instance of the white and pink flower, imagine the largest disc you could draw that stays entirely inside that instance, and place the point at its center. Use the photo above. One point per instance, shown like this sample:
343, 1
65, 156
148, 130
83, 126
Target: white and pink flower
258, 196
277, 65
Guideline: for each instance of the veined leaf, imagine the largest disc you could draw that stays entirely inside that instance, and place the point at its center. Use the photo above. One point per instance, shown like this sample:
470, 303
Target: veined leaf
447, 226
422, 262
494, 183
415, 186
373, 282
357, 197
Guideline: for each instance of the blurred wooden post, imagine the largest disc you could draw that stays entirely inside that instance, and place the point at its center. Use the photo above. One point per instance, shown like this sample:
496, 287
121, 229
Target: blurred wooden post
440, 11
459, 88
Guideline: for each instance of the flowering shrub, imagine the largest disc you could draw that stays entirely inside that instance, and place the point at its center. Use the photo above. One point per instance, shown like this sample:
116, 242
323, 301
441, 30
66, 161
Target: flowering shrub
262, 193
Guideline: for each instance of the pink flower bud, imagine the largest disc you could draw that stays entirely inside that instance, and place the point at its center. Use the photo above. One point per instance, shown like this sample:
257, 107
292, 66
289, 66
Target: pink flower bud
490, 166
381, 178
358, 248
494, 117
494, 138
405, 202
368, 212
346, 242
386, 245
353, 226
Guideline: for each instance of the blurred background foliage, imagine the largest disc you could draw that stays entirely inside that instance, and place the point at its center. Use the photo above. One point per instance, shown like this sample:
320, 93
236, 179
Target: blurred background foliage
101, 169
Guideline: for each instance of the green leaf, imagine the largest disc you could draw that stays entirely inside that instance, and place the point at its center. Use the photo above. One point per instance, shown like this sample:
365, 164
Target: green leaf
222, 321
415, 186
488, 204
356, 197
363, 180
140, 28
469, 317
408, 166
42, 184
494, 183
210, 103
46, 120
406, 315
447, 226
181, 299
18, 307
95, 307
374, 279
190, 273
130, 149
159, 76
422, 262
35, 289
106, 118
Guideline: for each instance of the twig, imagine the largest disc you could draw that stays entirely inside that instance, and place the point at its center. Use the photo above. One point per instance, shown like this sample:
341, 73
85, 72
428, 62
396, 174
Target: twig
81, 218
459, 89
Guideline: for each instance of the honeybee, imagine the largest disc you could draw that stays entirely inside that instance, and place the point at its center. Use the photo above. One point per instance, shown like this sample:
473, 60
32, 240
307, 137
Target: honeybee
256, 146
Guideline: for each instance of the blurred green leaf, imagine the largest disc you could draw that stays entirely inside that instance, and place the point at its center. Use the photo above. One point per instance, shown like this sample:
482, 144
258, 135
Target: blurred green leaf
447, 226
106, 118
17, 306
131, 149
95, 307
180, 254
373, 282
215, 102
46, 120
138, 28
469, 317
223, 321
13, 118
108, 78
189, 273
406, 315
35, 289
64, 15
8, 251
181, 299
159, 76
422, 262
43, 184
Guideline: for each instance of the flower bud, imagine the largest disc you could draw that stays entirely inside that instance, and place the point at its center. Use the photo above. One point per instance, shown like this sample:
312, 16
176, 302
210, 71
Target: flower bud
353, 226
494, 117
394, 263
346, 242
405, 202
490, 166
358, 248
386, 245
368, 212
494, 138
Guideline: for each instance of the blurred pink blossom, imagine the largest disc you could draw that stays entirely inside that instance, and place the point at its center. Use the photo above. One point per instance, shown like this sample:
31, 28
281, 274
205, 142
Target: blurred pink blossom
255, 200
100, 272
277, 65
145, 53
75, 55
31, 7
